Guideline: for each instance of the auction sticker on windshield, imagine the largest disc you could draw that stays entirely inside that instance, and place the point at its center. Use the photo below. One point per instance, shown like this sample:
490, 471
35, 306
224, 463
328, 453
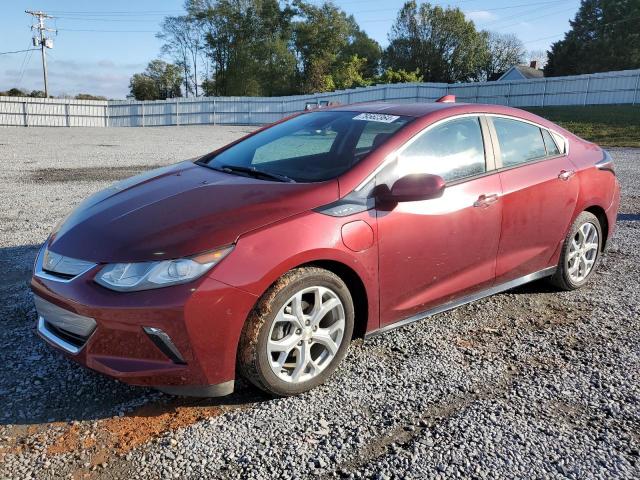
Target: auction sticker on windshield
376, 117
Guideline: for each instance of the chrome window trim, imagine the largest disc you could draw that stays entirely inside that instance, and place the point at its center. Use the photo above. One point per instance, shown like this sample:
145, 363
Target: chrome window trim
40, 273
497, 161
394, 155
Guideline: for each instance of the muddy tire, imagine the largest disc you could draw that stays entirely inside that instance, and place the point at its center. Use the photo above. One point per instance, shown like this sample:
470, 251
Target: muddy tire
580, 253
298, 332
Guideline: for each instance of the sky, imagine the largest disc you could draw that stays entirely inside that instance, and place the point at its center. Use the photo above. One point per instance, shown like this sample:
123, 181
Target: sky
99, 45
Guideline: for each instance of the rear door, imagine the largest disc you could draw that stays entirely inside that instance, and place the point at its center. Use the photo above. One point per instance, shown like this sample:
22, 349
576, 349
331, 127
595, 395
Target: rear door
540, 191
434, 251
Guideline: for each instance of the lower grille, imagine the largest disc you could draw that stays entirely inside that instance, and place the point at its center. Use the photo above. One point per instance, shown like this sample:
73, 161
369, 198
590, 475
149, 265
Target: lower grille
73, 339
63, 328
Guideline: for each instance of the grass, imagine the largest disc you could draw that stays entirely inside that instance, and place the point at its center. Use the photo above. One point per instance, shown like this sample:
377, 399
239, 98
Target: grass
606, 125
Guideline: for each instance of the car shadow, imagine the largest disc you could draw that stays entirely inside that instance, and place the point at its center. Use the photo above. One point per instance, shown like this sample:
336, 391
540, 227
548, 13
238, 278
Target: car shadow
538, 286
38, 384
628, 217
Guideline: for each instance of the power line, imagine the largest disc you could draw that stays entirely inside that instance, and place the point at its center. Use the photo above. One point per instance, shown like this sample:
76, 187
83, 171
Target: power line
91, 15
495, 24
563, 33
510, 7
532, 18
91, 19
543, 38
117, 14
520, 15
19, 51
25, 61
105, 31
24, 67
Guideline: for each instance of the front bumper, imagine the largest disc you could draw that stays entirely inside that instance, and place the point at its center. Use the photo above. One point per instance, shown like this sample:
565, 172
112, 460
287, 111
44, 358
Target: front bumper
180, 339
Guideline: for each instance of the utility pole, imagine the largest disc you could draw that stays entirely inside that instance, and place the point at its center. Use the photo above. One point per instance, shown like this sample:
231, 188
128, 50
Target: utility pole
43, 42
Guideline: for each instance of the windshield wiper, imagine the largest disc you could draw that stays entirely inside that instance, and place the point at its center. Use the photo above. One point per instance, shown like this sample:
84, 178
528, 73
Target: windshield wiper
254, 172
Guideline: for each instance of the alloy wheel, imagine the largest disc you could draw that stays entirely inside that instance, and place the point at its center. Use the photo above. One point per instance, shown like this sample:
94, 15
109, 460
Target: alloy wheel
306, 334
583, 252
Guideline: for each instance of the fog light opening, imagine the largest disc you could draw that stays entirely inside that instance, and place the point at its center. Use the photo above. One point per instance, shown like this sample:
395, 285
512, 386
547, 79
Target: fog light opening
164, 343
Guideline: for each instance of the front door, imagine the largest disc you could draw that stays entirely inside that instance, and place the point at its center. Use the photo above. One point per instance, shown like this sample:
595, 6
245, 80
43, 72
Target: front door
434, 251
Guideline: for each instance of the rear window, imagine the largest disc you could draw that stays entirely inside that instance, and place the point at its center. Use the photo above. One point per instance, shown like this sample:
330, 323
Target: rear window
312, 147
520, 142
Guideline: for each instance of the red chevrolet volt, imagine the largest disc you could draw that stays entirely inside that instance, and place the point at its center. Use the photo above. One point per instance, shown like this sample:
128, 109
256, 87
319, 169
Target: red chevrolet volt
263, 259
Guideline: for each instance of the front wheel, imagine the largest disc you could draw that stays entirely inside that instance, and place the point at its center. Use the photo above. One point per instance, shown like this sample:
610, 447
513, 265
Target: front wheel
580, 253
298, 333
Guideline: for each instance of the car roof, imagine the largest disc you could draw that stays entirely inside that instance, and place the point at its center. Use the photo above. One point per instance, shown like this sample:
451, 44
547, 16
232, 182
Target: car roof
421, 110
424, 109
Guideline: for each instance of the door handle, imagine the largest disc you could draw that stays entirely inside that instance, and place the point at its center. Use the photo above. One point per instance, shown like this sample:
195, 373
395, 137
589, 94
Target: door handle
566, 174
485, 200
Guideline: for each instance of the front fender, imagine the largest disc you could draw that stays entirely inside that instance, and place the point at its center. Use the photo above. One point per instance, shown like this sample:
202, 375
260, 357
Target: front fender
264, 255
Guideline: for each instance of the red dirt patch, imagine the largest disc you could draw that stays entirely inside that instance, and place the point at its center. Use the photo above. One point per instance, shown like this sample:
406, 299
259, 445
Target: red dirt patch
151, 421
122, 434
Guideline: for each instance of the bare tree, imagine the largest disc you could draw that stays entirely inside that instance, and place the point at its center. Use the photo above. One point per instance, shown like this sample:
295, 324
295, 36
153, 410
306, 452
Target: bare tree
505, 51
182, 37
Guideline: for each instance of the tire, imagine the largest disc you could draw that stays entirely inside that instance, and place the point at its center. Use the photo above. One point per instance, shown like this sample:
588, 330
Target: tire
568, 276
277, 343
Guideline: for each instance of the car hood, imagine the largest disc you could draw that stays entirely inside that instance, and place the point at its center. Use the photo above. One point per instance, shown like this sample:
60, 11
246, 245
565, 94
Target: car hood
177, 211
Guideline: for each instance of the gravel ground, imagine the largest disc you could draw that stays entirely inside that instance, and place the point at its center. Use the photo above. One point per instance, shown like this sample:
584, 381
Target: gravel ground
528, 383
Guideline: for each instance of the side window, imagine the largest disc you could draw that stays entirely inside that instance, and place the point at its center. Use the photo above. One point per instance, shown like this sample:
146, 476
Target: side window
452, 150
552, 148
519, 142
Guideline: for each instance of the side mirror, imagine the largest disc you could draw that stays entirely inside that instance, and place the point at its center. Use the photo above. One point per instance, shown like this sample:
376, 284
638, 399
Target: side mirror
415, 187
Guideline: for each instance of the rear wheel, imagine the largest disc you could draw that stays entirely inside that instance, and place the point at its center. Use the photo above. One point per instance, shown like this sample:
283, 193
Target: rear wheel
580, 253
298, 333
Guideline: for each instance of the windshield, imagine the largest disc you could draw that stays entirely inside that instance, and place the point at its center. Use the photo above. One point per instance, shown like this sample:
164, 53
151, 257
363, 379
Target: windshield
311, 147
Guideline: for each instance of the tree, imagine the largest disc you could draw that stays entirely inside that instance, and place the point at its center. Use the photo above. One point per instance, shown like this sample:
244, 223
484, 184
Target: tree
400, 76
160, 80
183, 41
441, 43
247, 42
88, 96
142, 87
504, 51
349, 73
14, 92
276, 69
366, 48
604, 36
331, 49
320, 34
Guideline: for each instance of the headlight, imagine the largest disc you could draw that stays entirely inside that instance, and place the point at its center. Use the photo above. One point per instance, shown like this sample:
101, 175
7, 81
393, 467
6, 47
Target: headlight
129, 277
